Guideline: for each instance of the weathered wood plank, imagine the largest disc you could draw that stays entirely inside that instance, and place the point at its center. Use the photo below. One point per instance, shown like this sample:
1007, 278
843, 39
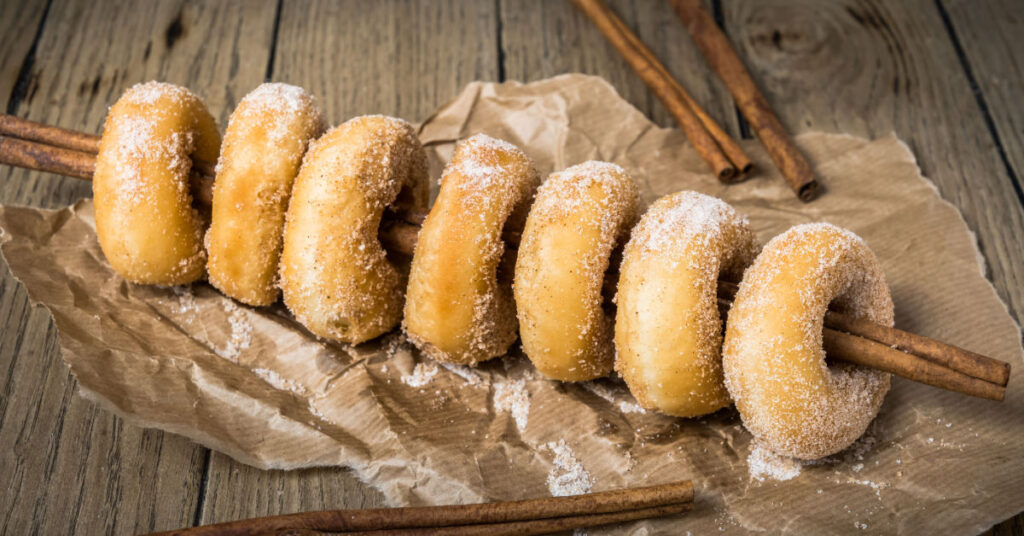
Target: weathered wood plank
19, 25
71, 467
989, 33
397, 57
394, 57
542, 39
869, 68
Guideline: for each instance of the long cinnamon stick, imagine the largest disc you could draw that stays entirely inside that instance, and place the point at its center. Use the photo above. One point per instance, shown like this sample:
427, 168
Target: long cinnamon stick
723, 59
604, 19
27, 129
940, 353
676, 495
399, 231
947, 356
861, 351
32, 155
728, 145
539, 526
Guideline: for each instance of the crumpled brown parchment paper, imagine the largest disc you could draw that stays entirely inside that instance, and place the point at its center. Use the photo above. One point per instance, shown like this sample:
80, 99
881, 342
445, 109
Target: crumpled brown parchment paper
254, 384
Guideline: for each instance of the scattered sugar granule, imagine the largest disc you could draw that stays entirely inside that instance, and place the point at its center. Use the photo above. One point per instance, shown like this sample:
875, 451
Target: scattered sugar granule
567, 476
463, 372
764, 463
241, 332
512, 396
186, 300
278, 382
317, 413
607, 393
421, 375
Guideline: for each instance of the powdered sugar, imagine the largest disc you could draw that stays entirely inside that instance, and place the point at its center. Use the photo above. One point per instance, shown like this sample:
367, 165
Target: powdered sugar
421, 375
278, 382
623, 401
241, 331
511, 396
763, 463
567, 475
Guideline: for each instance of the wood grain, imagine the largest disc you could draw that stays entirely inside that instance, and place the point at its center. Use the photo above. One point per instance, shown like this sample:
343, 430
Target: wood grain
989, 36
19, 25
870, 68
543, 38
398, 58
69, 466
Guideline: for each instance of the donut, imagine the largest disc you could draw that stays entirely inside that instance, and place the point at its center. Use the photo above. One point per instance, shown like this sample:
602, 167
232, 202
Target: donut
147, 227
267, 135
457, 310
578, 218
335, 275
668, 332
775, 370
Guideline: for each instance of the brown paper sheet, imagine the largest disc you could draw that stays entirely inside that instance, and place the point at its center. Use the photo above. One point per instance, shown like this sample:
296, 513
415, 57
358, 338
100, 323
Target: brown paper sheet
253, 384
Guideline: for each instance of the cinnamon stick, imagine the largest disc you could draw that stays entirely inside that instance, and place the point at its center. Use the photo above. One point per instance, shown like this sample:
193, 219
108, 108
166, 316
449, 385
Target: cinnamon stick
954, 368
616, 33
723, 59
676, 497
918, 347
728, 145
27, 129
945, 355
537, 527
40, 157
861, 351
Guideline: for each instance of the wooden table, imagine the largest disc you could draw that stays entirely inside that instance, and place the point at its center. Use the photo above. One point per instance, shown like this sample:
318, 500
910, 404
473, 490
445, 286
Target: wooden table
945, 75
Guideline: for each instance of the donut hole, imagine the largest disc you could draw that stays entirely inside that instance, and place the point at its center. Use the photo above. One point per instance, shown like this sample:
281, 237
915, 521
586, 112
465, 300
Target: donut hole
610, 281
404, 205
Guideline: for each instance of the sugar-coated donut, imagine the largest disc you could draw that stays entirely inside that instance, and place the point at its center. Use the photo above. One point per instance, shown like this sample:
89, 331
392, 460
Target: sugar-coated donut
578, 218
267, 135
456, 308
774, 364
147, 227
335, 276
668, 332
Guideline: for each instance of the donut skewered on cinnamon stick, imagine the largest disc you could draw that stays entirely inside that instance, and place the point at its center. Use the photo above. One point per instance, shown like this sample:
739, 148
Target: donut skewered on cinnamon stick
847, 338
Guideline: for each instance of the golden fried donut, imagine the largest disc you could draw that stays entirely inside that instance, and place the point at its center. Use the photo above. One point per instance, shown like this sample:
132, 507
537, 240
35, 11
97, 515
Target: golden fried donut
668, 333
147, 227
578, 218
456, 309
335, 276
774, 364
267, 135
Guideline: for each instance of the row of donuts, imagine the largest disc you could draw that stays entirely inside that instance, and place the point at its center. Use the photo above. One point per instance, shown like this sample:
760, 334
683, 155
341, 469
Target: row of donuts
297, 209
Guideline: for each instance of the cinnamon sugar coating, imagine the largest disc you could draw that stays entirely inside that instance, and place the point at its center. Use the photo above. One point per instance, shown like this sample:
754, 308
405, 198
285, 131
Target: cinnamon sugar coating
775, 369
668, 332
457, 310
579, 216
147, 227
266, 138
335, 275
